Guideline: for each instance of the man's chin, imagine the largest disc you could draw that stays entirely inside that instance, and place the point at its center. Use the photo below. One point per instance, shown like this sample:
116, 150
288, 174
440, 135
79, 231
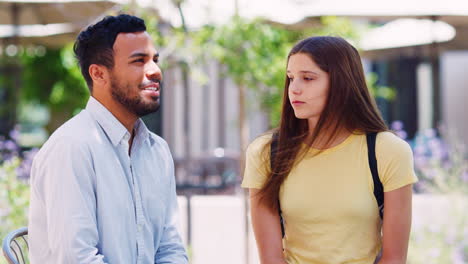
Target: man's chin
155, 98
149, 99
148, 108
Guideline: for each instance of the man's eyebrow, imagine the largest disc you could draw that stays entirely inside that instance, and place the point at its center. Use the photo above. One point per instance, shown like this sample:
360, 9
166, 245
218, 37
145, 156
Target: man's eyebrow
142, 54
138, 54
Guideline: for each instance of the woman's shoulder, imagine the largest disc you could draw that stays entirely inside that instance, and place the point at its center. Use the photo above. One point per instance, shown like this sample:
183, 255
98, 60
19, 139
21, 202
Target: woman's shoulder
260, 142
387, 143
388, 138
394, 161
256, 163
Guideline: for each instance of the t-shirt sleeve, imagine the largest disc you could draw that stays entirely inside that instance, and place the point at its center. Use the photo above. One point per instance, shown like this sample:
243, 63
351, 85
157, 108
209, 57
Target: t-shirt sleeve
257, 162
394, 161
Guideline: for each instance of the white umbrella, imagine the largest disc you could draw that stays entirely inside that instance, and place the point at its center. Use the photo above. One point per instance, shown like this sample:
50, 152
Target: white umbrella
50, 35
200, 12
454, 12
406, 32
48, 22
17, 13
29, 12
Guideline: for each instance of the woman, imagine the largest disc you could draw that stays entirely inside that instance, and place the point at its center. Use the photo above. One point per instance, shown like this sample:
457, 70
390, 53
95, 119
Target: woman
319, 176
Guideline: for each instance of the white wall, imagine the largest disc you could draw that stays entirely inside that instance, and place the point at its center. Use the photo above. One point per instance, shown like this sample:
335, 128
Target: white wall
454, 91
218, 225
204, 112
425, 94
218, 230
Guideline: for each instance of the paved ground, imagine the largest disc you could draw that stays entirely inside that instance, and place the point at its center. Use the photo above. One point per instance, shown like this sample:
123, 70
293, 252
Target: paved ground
218, 225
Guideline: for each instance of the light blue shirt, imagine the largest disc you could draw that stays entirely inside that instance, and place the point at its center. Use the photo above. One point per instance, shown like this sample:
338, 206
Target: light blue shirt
92, 202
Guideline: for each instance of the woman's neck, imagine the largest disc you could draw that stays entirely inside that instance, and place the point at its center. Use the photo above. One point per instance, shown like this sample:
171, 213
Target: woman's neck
323, 140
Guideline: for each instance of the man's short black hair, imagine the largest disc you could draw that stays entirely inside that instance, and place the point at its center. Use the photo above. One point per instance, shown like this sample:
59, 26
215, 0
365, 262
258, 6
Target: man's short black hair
95, 44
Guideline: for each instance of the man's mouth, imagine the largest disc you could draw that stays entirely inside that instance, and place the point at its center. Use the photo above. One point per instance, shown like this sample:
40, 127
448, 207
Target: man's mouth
152, 90
152, 87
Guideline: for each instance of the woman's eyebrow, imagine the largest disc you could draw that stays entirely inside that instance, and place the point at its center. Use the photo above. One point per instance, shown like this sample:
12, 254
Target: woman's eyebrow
312, 72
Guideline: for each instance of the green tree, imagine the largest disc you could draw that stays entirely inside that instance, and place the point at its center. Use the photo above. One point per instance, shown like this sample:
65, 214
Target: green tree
54, 80
379, 91
10, 76
253, 54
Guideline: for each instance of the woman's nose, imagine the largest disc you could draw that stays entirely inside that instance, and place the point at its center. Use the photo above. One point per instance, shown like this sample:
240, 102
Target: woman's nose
295, 89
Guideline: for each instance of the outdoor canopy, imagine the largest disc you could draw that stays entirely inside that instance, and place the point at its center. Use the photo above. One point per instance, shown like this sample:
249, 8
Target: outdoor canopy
42, 14
30, 12
201, 12
52, 23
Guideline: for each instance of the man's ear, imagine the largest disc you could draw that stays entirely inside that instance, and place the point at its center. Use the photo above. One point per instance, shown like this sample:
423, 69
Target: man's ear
99, 74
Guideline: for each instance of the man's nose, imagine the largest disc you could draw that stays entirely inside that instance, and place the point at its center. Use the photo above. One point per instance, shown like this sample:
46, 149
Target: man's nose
153, 72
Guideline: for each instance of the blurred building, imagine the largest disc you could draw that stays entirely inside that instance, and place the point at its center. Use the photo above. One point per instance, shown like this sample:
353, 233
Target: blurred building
428, 74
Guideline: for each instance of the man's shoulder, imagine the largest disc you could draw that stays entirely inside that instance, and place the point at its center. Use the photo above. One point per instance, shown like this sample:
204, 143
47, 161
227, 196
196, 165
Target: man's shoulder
76, 131
160, 146
78, 127
158, 141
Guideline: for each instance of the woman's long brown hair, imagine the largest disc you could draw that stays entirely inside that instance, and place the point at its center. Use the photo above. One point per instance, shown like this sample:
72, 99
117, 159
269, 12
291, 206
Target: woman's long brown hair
349, 106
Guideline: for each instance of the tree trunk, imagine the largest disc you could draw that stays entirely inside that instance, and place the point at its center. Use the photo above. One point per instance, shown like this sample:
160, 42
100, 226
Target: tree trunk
243, 139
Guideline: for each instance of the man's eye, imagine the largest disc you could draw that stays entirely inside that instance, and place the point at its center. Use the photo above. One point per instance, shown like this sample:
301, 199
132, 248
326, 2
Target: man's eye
156, 60
139, 60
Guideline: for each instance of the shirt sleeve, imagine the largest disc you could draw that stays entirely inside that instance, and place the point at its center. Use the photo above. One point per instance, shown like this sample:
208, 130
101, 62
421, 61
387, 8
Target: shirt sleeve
257, 163
171, 248
394, 161
63, 179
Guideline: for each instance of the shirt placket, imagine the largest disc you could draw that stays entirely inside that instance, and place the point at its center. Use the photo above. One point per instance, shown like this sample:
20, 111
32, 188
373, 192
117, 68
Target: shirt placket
137, 203
139, 216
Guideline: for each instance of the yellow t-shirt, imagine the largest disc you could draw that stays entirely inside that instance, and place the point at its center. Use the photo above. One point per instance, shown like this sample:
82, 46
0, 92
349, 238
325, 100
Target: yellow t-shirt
327, 200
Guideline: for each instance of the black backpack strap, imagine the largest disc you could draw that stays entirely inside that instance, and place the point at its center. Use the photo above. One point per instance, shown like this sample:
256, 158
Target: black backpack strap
273, 149
378, 187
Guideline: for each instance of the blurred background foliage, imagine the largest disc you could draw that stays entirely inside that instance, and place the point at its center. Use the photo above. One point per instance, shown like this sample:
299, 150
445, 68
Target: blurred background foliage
54, 80
252, 54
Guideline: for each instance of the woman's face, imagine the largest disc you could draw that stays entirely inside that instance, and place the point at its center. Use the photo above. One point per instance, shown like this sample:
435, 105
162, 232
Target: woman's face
308, 86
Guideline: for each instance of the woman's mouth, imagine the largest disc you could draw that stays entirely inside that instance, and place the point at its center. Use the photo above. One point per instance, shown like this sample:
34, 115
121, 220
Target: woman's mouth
297, 102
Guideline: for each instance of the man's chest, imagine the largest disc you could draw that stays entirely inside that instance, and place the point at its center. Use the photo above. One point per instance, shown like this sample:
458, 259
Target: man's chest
130, 185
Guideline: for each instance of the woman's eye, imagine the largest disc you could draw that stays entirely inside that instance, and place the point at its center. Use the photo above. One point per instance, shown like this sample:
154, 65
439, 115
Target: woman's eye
308, 79
139, 60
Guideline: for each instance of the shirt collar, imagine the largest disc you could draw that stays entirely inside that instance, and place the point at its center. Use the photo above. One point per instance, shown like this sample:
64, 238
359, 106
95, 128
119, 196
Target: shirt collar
142, 131
115, 130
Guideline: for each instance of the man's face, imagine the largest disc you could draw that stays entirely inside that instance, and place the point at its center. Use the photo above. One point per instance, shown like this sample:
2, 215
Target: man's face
136, 78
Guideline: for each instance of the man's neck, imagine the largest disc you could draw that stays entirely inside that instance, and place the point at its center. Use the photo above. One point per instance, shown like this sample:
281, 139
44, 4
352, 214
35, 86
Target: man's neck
126, 118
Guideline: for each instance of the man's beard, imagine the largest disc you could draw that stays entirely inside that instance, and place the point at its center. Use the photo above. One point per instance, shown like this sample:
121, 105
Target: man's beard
135, 104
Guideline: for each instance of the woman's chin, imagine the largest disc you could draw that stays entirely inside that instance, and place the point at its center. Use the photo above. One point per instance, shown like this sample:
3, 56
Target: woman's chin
305, 115
301, 115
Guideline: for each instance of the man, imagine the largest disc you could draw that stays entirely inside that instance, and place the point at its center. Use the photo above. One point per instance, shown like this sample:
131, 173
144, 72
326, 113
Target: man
102, 186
